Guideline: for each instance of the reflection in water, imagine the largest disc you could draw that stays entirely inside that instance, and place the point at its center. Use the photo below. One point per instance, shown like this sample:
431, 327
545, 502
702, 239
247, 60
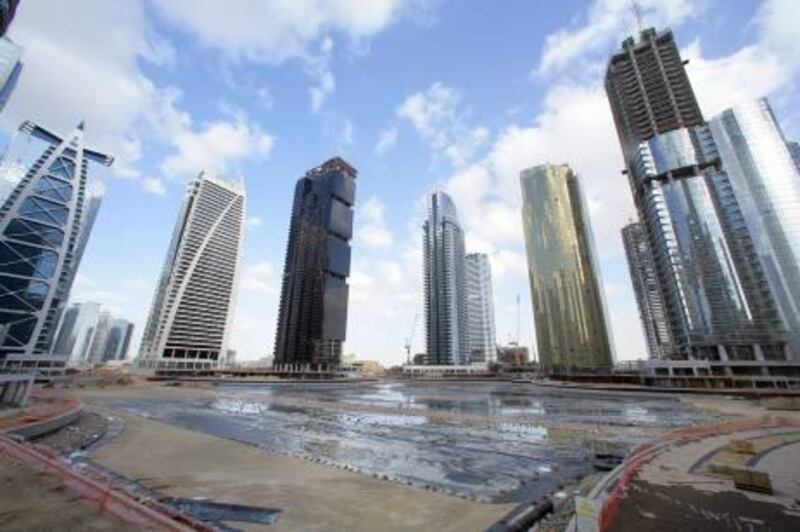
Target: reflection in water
472, 452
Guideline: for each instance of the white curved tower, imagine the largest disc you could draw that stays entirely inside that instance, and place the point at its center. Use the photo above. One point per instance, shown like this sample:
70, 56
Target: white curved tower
189, 323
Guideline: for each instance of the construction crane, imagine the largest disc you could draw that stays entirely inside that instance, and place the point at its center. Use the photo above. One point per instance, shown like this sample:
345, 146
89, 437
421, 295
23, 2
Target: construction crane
410, 338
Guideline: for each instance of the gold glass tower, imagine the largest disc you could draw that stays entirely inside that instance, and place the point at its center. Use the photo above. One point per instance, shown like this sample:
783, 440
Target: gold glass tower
568, 307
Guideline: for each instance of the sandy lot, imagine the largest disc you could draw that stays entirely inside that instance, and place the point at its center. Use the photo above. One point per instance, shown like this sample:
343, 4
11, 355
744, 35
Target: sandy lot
30, 500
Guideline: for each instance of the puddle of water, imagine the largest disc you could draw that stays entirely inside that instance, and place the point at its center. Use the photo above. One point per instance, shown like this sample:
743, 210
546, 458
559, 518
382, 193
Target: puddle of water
505, 461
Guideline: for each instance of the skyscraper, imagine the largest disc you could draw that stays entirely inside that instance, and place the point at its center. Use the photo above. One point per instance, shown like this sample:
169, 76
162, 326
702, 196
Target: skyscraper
710, 276
77, 333
312, 319
794, 150
118, 340
190, 319
45, 222
98, 348
445, 289
8, 9
481, 343
766, 182
568, 309
10, 68
652, 311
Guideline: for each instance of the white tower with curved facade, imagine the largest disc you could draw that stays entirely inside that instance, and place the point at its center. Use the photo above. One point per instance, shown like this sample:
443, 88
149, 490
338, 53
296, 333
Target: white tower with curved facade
190, 320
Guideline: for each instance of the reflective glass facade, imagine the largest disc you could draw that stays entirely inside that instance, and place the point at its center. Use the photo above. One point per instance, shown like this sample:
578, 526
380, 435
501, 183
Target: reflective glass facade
50, 197
190, 319
710, 276
445, 289
118, 340
10, 68
568, 308
77, 334
312, 319
644, 277
766, 182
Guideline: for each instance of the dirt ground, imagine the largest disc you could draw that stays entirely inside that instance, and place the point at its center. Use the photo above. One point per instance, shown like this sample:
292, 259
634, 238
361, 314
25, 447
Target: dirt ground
188, 464
669, 508
31, 500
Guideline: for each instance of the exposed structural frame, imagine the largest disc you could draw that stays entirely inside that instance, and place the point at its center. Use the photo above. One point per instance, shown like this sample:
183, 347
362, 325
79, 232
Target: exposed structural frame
45, 224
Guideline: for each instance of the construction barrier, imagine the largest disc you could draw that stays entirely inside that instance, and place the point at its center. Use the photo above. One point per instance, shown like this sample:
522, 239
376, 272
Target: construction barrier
642, 454
94, 486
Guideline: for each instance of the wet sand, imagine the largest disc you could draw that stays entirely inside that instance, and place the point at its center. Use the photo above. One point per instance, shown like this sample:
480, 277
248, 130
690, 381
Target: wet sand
500, 442
184, 463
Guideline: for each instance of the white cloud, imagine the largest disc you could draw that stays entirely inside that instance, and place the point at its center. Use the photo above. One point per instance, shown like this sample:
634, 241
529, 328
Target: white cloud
275, 30
371, 228
386, 140
153, 185
214, 146
107, 87
260, 278
253, 223
437, 116
777, 24
606, 21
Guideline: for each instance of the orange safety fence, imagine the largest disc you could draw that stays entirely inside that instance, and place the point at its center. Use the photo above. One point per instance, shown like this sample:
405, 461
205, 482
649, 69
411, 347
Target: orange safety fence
94, 486
644, 453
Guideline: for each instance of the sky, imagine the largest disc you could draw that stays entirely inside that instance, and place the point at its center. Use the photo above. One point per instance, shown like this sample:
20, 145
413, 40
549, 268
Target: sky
419, 95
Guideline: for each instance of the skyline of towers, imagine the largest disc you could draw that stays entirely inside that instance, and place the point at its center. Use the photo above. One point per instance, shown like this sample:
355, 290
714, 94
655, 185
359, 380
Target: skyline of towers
444, 284
709, 274
650, 303
766, 182
568, 305
312, 317
89, 334
481, 341
189, 321
49, 200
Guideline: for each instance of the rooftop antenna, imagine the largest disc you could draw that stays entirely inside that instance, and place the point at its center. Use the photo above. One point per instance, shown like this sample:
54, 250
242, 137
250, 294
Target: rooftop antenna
637, 10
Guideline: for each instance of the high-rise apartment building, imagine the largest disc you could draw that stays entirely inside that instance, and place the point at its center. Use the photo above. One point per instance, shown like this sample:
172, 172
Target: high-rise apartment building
190, 319
568, 307
10, 68
757, 160
312, 319
481, 343
652, 310
711, 278
118, 340
51, 188
445, 289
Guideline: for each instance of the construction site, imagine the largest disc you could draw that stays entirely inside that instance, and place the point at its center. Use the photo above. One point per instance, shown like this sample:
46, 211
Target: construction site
356, 456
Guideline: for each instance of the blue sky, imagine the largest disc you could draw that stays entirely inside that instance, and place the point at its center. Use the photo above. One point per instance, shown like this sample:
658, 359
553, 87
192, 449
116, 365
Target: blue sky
417, 94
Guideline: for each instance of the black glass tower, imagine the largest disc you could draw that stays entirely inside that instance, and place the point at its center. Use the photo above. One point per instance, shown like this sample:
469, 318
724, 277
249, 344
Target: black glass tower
312, 320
